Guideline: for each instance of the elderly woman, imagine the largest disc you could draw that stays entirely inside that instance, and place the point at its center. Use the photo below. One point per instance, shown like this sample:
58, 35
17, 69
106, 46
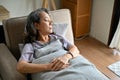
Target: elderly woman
48, 56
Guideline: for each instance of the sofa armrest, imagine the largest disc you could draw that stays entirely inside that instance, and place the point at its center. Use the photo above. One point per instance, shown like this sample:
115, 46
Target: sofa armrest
8, 65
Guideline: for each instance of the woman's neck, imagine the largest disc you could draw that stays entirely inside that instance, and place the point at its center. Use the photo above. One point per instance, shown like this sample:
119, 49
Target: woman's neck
44, 38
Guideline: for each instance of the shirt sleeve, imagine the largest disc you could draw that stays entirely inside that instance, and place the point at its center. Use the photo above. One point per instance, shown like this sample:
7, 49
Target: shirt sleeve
27, 53
66, 43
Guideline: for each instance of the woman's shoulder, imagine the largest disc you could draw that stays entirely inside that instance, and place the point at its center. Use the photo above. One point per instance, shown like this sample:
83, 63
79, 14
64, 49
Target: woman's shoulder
56, 36
28, 45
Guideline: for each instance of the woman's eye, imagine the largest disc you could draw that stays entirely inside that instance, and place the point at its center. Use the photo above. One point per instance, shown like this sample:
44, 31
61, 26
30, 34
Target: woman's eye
46, 19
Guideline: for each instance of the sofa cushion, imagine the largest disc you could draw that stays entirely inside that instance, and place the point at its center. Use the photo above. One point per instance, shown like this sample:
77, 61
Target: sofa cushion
8, 65
14, 34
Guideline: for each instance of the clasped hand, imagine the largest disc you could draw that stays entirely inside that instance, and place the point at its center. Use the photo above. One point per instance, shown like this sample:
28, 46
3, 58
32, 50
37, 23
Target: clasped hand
59, 63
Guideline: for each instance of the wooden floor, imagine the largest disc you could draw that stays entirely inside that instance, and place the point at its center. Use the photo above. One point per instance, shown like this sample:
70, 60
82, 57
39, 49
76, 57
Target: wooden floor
99, 54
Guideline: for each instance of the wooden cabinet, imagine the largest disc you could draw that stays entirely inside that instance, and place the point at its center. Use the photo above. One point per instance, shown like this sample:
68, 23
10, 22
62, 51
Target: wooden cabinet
80, 13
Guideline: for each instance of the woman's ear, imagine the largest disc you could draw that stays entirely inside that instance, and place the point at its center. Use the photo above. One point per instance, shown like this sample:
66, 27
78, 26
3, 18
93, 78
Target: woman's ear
36, 26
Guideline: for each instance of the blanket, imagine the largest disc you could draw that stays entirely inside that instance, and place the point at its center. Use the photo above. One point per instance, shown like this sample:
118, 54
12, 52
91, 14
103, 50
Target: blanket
79, 69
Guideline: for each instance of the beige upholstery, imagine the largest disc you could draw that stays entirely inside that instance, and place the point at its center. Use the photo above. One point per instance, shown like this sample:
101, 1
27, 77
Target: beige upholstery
13, 29
8, 65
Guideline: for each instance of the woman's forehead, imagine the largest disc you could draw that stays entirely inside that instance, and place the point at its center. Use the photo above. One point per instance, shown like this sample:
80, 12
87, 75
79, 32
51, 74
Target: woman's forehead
44, 14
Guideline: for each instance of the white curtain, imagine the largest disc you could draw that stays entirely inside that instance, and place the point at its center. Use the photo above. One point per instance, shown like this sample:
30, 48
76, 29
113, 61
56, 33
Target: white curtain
115, 43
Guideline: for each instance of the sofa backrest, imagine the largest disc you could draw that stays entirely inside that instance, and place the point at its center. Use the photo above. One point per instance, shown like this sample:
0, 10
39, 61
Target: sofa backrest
14, 29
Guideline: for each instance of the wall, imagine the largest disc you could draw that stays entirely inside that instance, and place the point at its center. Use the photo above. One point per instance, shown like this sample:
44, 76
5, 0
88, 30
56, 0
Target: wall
101, 19
19, 8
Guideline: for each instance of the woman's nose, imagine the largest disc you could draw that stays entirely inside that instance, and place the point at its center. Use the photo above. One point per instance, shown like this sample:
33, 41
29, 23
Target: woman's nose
50, 22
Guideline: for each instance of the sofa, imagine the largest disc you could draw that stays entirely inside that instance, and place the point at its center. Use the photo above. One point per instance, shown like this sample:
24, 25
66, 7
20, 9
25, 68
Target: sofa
14, 34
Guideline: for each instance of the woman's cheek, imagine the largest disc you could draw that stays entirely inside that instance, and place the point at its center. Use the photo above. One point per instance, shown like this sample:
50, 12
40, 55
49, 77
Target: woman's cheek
51, 30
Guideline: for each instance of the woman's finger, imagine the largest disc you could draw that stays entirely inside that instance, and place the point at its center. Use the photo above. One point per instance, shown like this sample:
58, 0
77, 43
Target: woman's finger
57, 65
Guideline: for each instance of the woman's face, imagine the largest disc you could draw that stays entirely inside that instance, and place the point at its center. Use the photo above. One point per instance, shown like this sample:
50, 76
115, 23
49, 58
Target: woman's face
45, 25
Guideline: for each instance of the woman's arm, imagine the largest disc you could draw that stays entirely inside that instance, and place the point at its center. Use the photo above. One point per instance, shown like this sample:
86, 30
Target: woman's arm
25, 67
23, 64
74, 51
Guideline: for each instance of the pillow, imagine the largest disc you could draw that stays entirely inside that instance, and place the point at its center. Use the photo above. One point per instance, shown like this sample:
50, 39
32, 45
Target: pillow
60, 28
